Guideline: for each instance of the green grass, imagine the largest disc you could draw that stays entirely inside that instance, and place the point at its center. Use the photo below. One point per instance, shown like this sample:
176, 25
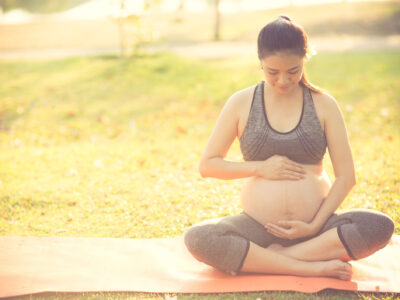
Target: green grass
323, 295
103, 147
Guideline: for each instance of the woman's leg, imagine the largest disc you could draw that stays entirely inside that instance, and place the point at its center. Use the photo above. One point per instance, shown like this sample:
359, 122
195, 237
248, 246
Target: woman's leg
238, 244
264, 260
350, 235
325, 246
224, 244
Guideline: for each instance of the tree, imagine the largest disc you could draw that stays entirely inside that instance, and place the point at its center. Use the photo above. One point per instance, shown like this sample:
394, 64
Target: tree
130, 41
217, 20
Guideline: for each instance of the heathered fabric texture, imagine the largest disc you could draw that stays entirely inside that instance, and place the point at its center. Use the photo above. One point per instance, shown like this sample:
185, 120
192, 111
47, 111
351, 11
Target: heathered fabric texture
306, 143
225, 245
362, 231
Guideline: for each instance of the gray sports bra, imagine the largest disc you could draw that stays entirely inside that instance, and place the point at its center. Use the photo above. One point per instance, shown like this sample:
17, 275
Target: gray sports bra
305, 144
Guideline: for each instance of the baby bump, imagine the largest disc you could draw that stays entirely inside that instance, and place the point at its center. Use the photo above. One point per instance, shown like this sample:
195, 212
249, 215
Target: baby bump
273, 200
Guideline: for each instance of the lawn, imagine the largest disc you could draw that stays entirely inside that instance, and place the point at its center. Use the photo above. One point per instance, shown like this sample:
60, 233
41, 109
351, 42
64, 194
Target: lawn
104, 147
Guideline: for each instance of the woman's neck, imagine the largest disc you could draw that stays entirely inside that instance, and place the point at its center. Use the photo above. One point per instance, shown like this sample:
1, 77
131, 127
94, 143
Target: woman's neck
289, 96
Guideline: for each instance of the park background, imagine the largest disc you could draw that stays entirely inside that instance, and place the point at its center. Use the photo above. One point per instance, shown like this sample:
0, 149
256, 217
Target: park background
106, 107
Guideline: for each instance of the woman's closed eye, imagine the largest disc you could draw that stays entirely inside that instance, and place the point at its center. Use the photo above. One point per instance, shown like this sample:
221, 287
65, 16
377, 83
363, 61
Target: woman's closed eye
276, 73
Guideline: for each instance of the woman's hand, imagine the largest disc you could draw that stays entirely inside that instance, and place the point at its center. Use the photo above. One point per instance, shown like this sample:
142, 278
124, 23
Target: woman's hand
290, 230
279, 167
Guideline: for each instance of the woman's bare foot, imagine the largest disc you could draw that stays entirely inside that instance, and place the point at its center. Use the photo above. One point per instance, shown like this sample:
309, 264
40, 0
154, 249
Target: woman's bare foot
338, 269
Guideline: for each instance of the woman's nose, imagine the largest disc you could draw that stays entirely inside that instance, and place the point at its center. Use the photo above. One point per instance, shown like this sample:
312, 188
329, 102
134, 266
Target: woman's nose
282, 79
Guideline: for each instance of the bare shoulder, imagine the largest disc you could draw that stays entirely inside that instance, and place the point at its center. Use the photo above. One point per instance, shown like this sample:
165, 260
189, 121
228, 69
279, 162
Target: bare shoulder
242, 98
325, 104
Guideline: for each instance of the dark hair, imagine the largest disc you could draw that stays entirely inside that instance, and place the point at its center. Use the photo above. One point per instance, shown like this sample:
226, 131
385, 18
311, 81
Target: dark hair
283, 35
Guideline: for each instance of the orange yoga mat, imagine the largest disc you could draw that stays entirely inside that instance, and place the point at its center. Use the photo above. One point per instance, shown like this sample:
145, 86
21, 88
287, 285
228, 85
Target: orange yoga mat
31, 265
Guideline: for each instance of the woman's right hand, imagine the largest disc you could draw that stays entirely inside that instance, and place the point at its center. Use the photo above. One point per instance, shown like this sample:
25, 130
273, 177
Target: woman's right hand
279, 167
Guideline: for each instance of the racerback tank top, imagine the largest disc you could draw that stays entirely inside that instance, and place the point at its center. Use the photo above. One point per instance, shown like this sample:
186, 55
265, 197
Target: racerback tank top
305, 144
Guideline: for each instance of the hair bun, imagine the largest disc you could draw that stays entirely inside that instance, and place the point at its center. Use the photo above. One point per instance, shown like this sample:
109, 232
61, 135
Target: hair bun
285, 18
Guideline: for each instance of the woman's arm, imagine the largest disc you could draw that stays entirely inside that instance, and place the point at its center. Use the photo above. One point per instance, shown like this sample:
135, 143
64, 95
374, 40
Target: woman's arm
213, 162
342, 161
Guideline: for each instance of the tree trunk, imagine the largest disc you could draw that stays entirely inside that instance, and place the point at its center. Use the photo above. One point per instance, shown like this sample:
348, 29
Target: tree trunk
122, 36
181, 6
121, 28
217, 20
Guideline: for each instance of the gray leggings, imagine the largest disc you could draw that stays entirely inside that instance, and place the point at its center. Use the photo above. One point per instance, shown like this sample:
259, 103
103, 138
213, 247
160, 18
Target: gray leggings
224, 245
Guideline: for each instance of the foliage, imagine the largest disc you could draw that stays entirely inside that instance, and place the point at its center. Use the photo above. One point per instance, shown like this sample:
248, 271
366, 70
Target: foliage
103, 147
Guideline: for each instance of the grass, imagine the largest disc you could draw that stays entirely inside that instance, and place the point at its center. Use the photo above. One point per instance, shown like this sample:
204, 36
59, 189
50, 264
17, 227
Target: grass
103, 147
323, 295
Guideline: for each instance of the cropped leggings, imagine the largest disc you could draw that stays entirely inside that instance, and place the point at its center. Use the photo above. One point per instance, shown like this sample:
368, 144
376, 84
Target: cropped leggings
225, 245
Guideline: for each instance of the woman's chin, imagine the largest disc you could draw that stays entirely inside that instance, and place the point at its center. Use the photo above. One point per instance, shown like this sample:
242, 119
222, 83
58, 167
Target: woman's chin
284, 89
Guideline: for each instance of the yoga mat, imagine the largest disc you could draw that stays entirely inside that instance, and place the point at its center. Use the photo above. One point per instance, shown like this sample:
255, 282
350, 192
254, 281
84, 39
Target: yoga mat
31, 265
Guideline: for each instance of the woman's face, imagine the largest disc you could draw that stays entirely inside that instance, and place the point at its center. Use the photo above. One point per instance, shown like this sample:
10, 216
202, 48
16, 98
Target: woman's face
283, 71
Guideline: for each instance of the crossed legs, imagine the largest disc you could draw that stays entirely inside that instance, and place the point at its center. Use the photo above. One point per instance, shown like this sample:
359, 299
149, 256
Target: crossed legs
240, 244
320, 256
322, 247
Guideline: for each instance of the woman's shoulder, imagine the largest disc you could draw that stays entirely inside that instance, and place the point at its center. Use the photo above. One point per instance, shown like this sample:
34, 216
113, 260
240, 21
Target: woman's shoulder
324, 103
243, 97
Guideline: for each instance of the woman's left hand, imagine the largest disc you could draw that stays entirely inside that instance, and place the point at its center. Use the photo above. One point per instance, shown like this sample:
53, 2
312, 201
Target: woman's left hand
290, 230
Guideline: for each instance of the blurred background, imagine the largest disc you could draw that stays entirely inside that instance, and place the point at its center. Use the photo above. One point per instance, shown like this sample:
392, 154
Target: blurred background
199, 28
106, 107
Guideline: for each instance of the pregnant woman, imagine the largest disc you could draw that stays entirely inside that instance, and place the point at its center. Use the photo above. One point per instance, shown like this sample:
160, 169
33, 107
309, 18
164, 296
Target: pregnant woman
284, 125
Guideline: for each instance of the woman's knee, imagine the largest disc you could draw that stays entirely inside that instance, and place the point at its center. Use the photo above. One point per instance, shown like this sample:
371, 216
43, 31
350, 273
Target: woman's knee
377, 227
197, 239
211, 244
368, 232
